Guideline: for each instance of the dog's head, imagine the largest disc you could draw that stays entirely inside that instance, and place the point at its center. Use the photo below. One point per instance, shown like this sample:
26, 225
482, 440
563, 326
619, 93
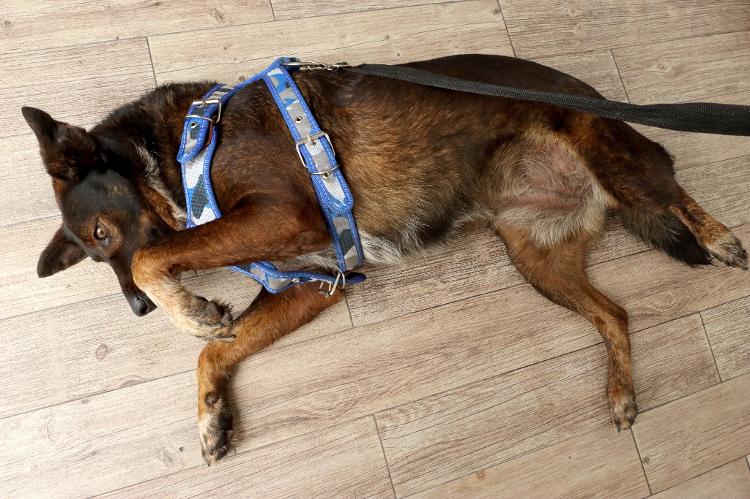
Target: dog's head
104, 215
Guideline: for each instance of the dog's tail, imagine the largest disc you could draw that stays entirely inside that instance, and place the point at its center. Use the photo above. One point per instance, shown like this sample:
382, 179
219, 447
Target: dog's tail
666, 232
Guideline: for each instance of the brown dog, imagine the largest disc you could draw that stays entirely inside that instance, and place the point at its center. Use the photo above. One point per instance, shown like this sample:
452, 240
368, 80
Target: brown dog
419, 161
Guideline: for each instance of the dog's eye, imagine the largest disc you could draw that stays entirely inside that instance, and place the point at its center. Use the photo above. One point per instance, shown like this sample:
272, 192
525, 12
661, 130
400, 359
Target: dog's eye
100, 233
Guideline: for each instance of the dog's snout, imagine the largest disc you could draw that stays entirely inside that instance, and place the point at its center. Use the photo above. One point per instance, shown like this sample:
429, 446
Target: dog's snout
141, 304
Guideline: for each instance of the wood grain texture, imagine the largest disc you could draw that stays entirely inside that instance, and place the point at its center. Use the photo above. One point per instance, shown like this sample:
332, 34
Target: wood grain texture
545, 27
346, 461
388, 36
691, 69
78, 84
728, 330
722, 188
654, 289
472, 262
97, 444
458, 432
600, 463
731, 481
292, 9
695, 434
25, 177
597, 68
41, 24
78, 350
79, 448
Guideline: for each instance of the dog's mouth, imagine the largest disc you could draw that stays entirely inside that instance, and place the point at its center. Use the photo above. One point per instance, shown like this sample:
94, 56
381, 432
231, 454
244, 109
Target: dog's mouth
141, 304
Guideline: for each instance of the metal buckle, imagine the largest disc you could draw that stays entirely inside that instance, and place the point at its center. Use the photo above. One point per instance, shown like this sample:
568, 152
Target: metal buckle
207, 102
310, 139
332, 286
312, 65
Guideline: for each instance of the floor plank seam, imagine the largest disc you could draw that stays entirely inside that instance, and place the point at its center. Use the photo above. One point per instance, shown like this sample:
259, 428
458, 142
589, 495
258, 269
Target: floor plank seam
273, 12
151, 59
638, 44
505, 24
378, 9
348, 311
703, 473
619, 74
710, 346
30, 221
385, 457
96, 394
338, 423
640, 461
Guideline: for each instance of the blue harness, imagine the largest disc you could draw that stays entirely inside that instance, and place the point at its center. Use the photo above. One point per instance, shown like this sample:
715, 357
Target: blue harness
317, 155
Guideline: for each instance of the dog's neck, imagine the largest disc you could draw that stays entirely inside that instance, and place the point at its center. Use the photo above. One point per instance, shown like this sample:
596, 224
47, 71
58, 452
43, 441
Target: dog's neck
147, 133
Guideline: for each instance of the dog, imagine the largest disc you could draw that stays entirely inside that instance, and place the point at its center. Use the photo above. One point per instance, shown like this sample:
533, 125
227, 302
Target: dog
420, 162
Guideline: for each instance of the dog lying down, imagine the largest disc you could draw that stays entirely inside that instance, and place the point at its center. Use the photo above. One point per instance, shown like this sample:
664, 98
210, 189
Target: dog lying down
419, 162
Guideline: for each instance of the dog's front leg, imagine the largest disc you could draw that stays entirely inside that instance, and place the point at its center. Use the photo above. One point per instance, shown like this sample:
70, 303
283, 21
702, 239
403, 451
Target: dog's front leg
245, 235
268, 318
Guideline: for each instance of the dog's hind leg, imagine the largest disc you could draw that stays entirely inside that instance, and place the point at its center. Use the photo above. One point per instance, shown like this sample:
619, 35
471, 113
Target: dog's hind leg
245, 235
639, 174
268, 318
557, 272
712, 235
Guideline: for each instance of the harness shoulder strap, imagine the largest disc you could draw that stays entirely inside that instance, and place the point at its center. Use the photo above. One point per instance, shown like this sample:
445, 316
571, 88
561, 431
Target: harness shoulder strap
317, 156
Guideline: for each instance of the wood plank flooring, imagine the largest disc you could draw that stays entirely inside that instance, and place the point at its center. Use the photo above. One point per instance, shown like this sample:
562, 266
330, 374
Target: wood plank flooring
445, 376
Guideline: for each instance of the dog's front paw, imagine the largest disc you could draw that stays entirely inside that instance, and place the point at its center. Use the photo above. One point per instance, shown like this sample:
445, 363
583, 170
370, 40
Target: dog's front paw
206, 319
729, 251
215, 425
623, 406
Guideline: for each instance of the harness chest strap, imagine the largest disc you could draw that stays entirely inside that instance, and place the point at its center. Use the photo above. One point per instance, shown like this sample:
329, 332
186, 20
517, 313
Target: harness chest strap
316, 154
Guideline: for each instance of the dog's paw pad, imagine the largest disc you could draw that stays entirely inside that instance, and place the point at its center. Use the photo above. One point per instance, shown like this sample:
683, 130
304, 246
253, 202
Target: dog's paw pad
215, 427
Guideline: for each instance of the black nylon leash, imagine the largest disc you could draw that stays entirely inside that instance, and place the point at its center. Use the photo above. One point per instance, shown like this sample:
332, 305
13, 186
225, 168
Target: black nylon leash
704, 117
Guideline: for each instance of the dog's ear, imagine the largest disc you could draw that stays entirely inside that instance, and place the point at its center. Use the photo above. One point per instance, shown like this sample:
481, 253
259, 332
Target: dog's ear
45, 127
59, 254
69, 152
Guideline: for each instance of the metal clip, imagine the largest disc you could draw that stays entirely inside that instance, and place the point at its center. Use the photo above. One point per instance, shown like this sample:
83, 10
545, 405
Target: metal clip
332, 286
312, 65
310, 139
205, 103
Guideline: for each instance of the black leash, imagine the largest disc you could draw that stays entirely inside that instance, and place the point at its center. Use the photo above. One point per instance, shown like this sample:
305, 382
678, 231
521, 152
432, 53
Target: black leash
704, 117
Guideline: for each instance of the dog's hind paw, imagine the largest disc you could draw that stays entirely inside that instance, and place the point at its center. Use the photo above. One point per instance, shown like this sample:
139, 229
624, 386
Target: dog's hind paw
215, 425
728, 250
624, 409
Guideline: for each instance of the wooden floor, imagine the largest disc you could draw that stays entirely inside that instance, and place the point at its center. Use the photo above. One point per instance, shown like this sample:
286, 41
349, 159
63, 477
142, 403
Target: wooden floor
444, 377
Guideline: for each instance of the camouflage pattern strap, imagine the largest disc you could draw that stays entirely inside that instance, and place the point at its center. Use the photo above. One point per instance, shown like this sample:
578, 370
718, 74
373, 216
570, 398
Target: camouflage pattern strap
195, 156
318, 157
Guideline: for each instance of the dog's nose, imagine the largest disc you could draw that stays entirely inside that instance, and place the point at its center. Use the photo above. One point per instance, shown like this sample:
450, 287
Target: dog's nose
141, 305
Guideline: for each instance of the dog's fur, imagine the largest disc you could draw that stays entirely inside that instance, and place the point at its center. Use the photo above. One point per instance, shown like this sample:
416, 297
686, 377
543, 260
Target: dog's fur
419, 161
